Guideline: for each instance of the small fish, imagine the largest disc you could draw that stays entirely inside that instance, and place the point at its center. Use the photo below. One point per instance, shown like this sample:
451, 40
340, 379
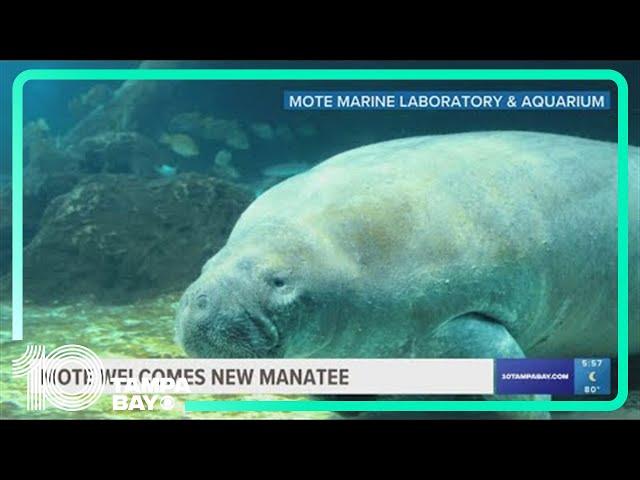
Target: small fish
265, 184
166, 170
187, 122
223, 158
223, 166
181, 144
284, 170
306, 130
263, 131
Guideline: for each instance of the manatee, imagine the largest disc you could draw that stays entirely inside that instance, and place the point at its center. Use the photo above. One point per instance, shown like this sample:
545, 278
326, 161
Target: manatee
484, 244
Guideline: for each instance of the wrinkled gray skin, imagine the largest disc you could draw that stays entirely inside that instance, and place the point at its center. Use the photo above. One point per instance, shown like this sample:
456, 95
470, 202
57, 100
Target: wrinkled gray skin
485, 244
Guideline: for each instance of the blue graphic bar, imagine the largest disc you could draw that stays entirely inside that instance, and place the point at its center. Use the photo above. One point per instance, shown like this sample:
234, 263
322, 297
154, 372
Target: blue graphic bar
592, 376
531, 376
580, 376
446, 100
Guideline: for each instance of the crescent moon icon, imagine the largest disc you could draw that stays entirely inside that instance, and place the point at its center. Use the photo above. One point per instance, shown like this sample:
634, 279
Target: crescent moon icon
592, 377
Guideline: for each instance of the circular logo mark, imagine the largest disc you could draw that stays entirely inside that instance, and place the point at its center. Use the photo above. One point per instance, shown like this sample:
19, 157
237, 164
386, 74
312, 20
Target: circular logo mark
167, 403
79, 359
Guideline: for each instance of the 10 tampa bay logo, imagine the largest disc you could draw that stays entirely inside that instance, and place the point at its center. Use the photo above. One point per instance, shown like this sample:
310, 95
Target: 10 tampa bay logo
147, 394
49, 377
73, 378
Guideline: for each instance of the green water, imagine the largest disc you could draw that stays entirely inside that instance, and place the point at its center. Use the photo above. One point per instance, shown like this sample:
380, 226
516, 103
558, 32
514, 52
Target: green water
142, 330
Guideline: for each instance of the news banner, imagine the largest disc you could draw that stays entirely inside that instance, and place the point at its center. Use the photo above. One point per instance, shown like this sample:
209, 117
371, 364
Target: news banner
563, 377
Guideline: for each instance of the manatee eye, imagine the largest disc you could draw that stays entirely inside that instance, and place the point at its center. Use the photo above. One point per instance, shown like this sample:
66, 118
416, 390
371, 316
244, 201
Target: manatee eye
277, 279
202, 302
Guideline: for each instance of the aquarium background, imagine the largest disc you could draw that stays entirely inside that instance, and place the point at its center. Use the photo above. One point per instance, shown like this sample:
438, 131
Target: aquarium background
131, 186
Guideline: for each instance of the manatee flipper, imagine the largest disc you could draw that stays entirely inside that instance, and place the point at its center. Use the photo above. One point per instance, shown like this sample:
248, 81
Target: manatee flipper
477, 336
468, 336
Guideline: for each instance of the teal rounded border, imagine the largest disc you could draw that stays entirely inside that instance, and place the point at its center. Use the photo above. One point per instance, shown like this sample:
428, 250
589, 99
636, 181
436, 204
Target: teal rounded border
352, 74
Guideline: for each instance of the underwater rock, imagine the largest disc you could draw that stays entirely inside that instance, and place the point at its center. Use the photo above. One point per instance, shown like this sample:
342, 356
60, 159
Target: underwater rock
38, 191
120, 152
133, 105
5, 230
44, 157
32, 213
85, 103
117, 238
43, 152
35, 131
52, 171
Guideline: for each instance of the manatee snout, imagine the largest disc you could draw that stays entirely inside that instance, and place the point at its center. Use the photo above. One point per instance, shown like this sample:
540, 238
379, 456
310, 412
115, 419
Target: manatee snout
215, 321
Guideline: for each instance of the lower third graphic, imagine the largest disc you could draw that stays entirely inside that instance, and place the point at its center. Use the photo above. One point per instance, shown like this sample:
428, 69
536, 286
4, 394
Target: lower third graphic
46, 382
